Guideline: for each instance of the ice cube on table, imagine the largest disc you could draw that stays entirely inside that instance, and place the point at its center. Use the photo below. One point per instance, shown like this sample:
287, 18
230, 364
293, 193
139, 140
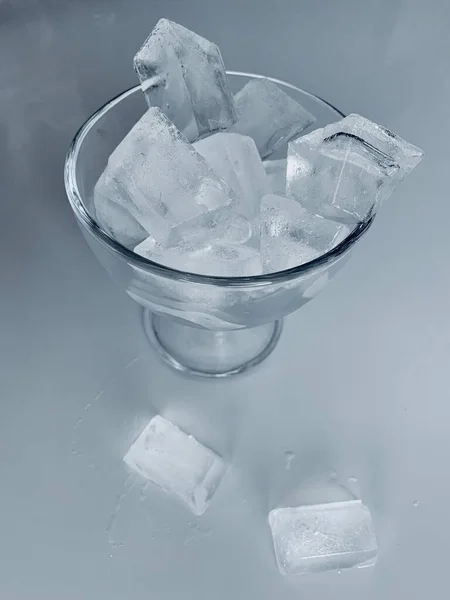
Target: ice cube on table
269, 115
177, 463
276, 173
158, 177
290, 235
323, 537
219, 259
236, 160
347, 169
183, 74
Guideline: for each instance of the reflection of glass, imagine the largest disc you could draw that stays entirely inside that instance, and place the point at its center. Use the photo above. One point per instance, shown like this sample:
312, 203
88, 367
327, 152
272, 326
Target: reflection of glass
211, 326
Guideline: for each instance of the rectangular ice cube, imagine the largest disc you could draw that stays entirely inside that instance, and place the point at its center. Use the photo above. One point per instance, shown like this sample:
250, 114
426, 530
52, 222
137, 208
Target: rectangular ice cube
219, 259
290, 235
177, 462
183, 74
276, 173
322, 537
270, 116
158, 177
346, 169
236, 160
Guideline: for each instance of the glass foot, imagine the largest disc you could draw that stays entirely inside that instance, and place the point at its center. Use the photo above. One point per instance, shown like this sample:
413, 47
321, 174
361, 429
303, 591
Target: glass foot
206, 353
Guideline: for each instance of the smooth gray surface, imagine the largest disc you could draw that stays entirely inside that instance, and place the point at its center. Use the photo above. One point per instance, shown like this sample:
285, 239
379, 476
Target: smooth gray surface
359, 382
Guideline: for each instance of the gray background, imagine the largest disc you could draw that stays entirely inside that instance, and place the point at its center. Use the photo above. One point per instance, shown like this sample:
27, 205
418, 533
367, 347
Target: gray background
358, 383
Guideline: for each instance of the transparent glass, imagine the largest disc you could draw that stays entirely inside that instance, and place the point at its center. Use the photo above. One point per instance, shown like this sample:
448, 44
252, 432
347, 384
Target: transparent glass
208, 326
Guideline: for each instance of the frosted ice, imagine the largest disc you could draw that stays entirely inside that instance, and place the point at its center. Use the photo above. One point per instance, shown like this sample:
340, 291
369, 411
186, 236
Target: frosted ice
322, 537
223, 225
276, 173
114, 218
290, 235
236, 160
220, 259
345, 169
177, 462
184, 75
269, 115
158, 177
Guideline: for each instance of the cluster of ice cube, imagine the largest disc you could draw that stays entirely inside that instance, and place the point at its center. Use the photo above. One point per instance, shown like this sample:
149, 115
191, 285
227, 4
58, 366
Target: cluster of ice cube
188, 187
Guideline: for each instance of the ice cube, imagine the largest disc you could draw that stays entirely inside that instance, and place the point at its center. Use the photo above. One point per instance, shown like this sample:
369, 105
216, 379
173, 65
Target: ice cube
346, 169
223, 225
177, 462
276, 173
184, 75
158, 177
220, 259
322, 537
290, 235
116, 220
236, 160
270, 116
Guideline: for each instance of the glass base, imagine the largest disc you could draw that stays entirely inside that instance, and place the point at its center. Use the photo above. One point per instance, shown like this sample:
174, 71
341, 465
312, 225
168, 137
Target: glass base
206, 353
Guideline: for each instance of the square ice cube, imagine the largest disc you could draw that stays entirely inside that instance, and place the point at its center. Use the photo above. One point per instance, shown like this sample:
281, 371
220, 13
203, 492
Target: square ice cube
322, 537
183, 74
270, 116
276, 173
346, 169
158, 177
177, 462
236, 160
290, 235
219, 259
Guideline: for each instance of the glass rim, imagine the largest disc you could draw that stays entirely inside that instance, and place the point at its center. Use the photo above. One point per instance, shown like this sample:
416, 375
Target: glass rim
76, 201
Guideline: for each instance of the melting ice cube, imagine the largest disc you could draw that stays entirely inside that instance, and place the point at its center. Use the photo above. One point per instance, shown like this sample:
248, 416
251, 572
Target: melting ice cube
236, 160
113, 217
219, 259
290, 235
158, 177
224, 225
322, 537
269, 115
348, 168
177, 462
183, 74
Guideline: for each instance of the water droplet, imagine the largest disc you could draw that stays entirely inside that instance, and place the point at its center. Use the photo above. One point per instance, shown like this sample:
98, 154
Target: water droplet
288, 459
416, 503
339, 572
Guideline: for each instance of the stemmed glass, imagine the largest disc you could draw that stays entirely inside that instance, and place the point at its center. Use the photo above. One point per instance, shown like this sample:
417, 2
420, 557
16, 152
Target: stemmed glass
203, 325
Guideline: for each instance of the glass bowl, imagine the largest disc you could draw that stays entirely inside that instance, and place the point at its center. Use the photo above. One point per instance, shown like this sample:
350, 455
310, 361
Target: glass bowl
203, 325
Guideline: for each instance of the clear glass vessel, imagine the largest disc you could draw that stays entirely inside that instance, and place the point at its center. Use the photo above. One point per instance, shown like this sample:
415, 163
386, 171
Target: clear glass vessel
207, 326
